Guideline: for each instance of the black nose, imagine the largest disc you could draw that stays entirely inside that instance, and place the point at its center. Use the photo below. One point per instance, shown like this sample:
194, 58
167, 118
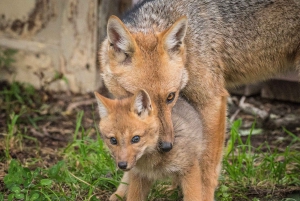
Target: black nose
165, 146
122, 165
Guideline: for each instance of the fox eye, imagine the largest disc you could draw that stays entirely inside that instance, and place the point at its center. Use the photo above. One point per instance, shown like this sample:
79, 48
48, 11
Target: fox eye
113, 141
135, 139
170, 97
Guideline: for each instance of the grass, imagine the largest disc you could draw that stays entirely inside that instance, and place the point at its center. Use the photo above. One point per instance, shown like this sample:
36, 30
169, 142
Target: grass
86, 171
249, 171
7, 57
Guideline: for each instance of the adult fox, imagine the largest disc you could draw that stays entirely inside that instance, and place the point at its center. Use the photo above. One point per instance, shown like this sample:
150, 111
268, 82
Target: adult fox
199, 47
130, 129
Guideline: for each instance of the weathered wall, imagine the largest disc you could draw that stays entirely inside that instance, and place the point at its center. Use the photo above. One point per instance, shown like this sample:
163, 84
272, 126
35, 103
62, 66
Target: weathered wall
52, 37
56, 39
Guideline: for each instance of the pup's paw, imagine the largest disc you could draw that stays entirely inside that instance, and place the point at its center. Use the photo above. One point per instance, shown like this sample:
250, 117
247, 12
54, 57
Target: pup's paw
116, 197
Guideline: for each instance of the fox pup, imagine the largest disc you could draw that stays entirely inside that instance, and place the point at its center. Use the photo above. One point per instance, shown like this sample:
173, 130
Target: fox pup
200, 48
130, 129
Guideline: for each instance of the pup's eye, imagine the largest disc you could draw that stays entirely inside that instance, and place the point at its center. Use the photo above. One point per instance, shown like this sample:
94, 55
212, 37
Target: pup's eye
113, 141
135, 139
170, 97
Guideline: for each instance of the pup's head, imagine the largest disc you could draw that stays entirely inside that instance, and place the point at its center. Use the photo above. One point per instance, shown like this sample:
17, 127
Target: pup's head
152, 59
129, 127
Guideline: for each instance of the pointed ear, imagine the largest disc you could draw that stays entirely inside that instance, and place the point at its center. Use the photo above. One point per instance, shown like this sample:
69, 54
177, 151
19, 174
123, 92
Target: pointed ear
103, 105
173, 38
184, 78
142, 104
118, 35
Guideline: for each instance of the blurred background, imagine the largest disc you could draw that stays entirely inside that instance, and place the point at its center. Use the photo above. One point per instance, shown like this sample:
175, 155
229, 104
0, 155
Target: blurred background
54, 43
54, 46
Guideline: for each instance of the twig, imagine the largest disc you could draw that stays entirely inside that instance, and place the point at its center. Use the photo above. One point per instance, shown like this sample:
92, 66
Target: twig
251, 109
45, 134
72, 106
83, 181
39, 134
234, 115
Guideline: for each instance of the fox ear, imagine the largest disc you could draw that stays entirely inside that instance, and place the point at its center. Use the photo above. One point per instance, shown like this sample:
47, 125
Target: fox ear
103, 104
184, 78
142, 104
118, 35
173, 38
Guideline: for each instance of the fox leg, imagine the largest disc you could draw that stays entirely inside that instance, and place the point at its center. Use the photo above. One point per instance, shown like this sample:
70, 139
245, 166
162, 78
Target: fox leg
138, 188
214, 117
191, 183
122, 188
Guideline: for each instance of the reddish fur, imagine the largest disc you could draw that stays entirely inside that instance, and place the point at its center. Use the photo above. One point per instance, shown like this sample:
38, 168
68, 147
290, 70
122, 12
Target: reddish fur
229, 58
184, 164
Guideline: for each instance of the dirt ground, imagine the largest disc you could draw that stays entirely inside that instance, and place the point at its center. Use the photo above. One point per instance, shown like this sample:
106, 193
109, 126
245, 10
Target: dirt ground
50, 126
271, 118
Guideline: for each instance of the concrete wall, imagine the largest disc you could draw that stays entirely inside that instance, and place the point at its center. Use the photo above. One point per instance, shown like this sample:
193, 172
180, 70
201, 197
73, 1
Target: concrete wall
56, 39
52, 37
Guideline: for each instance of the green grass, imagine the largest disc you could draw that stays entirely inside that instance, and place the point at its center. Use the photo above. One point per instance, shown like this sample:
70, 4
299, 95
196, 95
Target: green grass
249, 171
87, 168
7, 57
87, 171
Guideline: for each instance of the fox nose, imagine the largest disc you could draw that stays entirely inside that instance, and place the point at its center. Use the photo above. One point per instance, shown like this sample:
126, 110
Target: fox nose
165, 146
122, 165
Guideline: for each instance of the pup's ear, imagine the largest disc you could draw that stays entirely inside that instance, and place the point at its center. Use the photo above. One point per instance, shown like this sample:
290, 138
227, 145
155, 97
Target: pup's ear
119, 37
174, 36
142, 104
104, 105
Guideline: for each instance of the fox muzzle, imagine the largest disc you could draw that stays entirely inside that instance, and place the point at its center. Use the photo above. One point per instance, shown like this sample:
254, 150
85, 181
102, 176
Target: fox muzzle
165, 146
122, 165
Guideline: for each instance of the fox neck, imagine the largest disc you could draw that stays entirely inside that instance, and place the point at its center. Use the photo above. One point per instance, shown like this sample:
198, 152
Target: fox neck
150, 158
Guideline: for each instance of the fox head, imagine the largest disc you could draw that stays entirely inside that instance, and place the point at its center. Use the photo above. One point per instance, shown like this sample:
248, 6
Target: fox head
129, 127
152, 60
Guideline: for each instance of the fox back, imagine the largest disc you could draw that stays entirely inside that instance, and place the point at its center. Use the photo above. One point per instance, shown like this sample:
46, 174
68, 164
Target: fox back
249, 40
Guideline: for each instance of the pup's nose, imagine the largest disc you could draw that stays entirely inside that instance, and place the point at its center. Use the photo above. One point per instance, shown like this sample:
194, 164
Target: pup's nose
165, 146
122, 165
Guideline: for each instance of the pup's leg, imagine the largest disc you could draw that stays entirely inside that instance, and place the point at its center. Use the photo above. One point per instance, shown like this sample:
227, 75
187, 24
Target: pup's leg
191, 183
122, 188
169, 189
139, 187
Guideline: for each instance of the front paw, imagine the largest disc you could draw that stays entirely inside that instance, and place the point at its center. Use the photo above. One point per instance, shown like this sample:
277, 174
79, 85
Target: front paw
116, 197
